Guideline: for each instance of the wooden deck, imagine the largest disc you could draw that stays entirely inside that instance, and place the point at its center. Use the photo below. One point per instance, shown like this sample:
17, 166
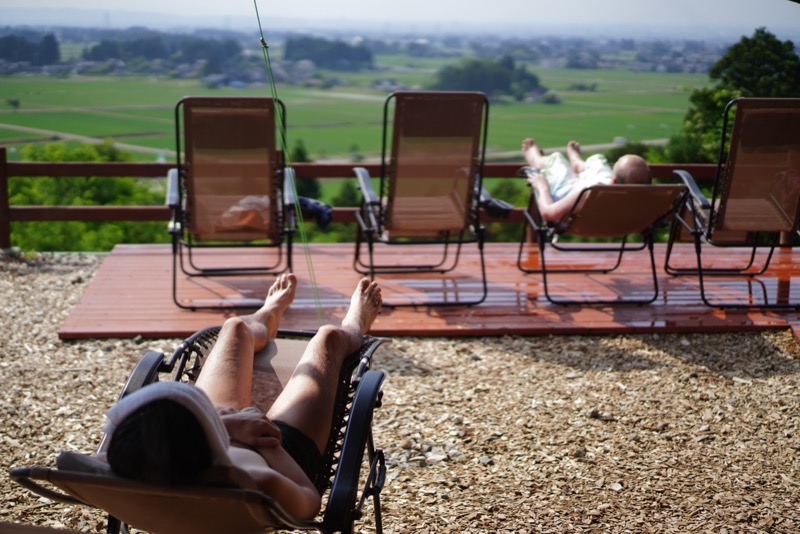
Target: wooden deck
131, 296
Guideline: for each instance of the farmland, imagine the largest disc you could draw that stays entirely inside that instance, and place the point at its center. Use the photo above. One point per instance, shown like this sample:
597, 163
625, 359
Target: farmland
344, 122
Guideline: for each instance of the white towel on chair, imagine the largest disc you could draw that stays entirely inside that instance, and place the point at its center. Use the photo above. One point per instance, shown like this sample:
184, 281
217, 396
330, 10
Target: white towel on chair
193, 399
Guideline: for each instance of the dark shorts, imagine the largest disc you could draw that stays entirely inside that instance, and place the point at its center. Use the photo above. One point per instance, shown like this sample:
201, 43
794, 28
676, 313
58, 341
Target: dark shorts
301, 448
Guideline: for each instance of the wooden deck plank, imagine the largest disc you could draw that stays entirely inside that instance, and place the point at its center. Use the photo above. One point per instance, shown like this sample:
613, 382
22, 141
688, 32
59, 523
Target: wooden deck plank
130, 295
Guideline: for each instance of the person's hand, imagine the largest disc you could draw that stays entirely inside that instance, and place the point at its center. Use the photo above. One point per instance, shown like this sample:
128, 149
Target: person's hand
250, 428
536, 179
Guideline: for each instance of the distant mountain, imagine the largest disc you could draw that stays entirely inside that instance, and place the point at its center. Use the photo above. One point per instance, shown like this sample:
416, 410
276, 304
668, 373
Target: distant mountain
113, 18
117, 19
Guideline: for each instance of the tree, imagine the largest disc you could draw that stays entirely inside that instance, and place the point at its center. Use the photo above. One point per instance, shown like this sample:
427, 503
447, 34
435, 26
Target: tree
88, 191
45, 52
514, 191
495, 78
613, 154
698, 142
146, 47
308, 187
103, 50
49, 53
14, 48
327, 54
220, 56
759, 66
348, 195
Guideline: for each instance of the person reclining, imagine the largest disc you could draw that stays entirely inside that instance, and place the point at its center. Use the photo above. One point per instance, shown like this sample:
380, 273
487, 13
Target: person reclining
558, 181
168, 433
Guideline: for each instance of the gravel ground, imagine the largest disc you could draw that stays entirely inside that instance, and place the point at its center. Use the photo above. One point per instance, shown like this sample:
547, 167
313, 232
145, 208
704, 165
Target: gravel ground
645, 433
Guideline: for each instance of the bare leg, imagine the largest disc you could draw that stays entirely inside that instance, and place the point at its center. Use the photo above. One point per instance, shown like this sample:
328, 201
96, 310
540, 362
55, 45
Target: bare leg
227, 374
576, 160
306, 402
264, 323
533, 154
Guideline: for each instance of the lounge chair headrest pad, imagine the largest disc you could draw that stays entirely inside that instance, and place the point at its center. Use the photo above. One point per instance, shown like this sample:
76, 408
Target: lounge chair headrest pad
193, 399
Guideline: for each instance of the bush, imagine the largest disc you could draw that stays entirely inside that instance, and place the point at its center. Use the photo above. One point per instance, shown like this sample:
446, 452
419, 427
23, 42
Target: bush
82, 191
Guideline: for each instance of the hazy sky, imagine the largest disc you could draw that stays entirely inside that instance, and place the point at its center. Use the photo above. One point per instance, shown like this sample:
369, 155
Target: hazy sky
536, 13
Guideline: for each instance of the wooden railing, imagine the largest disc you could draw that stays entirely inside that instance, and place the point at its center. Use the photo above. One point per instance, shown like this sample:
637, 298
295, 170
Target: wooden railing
13, 213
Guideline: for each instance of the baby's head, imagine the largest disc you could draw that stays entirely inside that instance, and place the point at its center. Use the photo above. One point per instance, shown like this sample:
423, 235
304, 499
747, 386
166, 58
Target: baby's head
631, 169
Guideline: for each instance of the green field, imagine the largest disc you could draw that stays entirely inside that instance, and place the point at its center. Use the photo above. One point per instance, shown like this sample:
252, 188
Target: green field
345, 121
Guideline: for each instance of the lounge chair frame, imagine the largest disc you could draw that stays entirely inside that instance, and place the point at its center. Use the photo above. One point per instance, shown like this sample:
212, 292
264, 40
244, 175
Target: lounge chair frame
376, 217
351, 438
256, 169
585, 220
713, 222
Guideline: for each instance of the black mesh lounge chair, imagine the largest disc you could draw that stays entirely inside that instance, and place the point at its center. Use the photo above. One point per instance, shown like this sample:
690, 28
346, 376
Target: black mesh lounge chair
754, 206
429, 192
229, 190
227, 503
614, 212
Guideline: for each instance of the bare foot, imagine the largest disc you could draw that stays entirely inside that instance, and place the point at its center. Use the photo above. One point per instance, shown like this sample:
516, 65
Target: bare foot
279, 296
575, 157
365, 304
532, 153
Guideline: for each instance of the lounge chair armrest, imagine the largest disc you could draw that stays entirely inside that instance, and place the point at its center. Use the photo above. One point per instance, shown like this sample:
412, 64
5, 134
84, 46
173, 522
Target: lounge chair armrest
694, 190
365, 184
288, 187
494, 206
368, 216
173, 199
367, 397
25, 476
173, 202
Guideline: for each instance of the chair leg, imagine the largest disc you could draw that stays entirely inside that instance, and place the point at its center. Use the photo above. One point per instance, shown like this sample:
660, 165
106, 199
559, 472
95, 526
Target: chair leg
484, 281
371, 253
339, 514
542, 259
358, 265
649, 245
697, 251
289, 242
620, 251
704, 296
446, 262
376, 499
697, 233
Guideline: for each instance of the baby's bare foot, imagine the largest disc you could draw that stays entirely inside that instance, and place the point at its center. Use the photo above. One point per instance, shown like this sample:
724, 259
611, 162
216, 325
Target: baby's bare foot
574, 148
532, 153
365, 304
575, 157
528, 143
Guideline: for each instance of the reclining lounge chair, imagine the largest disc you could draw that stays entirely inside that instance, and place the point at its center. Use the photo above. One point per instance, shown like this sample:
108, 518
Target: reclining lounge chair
605, 212
229, 190
755, 203
225, 503
430, 192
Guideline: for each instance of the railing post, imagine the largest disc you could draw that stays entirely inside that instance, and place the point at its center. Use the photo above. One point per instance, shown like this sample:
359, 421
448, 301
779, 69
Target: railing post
5, 211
